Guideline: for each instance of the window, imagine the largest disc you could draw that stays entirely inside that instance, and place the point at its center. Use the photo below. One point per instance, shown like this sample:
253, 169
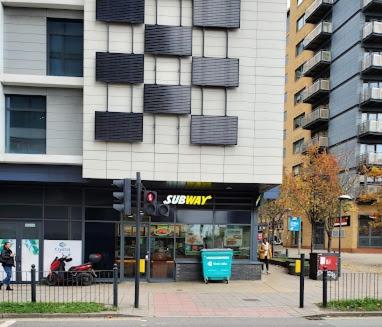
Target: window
285, 97
65, 47
298, 73
284, 134
296, 170
287, 22
297, 146
298, 121
299, 48
298, 96
285, 115
25, 124
300, 23
286, 78
299, 2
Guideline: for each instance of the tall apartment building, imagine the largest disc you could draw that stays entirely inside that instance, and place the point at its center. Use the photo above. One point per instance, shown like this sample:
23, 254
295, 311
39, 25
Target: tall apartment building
189, 93
333, 100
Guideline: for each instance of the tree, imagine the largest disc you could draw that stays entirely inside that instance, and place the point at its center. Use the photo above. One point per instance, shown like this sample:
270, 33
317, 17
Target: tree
314, 192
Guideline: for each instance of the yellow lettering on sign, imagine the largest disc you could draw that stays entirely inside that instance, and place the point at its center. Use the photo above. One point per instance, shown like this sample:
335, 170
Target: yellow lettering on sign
198, 200
205, 199
190, 199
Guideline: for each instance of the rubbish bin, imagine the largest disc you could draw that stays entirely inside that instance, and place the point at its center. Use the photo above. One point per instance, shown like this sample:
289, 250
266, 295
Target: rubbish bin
217, 264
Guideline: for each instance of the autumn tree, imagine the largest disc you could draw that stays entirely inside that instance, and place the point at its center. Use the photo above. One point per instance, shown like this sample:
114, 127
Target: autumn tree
314, 192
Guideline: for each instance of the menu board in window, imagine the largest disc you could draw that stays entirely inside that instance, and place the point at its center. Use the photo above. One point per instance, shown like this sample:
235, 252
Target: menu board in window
233, 237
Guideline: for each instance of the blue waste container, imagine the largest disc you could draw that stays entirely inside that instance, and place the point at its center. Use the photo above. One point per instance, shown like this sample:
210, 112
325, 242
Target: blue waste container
217, 264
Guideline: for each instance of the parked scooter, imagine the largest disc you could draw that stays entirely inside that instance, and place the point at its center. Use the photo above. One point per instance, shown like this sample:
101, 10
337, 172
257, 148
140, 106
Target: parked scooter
82, 275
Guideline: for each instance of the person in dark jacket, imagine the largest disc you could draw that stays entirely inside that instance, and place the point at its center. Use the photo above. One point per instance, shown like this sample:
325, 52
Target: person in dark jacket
8, 261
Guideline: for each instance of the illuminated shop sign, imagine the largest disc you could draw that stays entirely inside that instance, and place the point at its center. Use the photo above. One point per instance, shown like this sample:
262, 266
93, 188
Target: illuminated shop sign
191, 200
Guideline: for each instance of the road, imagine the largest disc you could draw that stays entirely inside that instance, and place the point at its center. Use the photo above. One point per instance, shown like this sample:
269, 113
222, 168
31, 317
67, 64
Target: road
196, 322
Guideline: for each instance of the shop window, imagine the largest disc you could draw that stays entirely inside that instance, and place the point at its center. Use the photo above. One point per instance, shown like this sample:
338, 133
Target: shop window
56, 212
20, 195
232, 217
56, 230
20, 211
190, 239
106, 214
65, 47
76, 230
63, 196
94, 197
237, 238
76, 213
25, 124
194, 216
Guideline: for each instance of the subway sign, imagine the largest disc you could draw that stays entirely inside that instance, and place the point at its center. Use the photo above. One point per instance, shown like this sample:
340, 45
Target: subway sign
190, 200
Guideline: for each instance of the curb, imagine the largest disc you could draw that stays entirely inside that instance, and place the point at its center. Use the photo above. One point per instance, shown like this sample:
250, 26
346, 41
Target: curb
66, 315
338, 314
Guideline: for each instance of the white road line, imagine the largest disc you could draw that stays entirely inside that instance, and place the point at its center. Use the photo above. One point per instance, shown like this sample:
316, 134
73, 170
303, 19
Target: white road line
8, 323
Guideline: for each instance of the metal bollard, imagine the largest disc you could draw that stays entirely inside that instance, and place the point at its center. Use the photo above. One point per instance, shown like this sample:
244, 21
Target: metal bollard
115, 285
287, 253
325, 288
302, 280
33, 283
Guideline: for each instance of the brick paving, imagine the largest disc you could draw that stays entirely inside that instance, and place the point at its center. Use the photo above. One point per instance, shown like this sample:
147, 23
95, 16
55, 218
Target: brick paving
274, 296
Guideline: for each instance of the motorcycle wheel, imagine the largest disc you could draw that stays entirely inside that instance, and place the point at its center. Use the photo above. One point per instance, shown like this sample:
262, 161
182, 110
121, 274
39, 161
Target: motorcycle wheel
52, 279
85, 279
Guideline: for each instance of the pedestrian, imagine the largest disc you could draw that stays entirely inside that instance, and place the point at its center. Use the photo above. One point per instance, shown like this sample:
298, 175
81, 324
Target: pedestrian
8, 260
265, 253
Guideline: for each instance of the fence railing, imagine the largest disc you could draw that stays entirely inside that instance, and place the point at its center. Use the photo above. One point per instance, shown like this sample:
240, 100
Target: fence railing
65, 287
355, 286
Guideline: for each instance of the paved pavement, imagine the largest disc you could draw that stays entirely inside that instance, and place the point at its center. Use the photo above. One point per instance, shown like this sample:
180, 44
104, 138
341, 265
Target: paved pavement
196, 322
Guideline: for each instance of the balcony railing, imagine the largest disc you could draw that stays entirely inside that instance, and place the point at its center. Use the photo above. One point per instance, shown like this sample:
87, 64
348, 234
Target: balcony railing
372, 5
371, 159
316, 92
370, 126
371, 98
319, 35
371, 63
319, 116
317, 10
321, 142
316, 64
372, 32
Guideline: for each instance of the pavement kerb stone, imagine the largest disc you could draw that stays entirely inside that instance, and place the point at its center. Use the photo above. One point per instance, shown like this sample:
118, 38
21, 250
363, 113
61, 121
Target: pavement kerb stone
66, 315
338, 314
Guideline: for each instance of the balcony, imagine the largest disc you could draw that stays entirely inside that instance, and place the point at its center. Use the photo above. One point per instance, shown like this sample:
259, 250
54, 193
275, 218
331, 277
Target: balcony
372, 33
371, 6
318, 10
315, 66
372, 65
317, 93
314, 40
322, 142
318, 118
370, 159
370, 132
371, 99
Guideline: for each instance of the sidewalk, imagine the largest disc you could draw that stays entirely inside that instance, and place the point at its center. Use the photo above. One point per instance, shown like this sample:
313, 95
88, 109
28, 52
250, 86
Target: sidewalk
277, 295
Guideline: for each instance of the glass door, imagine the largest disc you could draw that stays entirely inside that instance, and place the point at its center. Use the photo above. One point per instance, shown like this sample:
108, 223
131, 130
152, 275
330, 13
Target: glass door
162, 240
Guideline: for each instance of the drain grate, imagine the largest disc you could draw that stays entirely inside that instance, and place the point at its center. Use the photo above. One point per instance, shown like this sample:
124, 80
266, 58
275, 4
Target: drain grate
251, 300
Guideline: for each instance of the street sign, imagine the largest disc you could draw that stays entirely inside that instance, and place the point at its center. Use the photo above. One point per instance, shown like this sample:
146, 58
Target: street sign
294, 224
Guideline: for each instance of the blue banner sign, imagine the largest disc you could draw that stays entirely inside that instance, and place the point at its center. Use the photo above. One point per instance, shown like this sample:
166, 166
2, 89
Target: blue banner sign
294, 224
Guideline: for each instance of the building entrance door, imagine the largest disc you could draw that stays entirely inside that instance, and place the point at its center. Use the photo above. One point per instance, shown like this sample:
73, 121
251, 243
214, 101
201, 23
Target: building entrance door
318, 236
25, 243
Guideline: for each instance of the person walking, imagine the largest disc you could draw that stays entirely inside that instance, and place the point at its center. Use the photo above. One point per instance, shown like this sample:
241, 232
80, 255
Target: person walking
8, 261
265, 253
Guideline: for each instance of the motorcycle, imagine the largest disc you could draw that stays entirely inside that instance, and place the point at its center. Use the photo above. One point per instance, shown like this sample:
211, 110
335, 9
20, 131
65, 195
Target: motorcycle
82, 275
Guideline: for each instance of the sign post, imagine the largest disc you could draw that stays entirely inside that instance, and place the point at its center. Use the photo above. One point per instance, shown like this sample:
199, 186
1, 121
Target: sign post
294, 225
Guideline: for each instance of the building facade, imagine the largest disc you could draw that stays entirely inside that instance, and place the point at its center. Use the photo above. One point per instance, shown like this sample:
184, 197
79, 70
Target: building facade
332, 102
189, 93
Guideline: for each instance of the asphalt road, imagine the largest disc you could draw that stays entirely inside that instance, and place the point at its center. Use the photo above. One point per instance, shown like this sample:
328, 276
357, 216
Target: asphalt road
197, 322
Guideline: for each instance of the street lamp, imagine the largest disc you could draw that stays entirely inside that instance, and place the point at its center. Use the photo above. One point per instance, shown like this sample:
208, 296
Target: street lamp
341, 198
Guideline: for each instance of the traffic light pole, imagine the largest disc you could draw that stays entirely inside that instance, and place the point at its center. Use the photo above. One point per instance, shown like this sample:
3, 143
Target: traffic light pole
137, 239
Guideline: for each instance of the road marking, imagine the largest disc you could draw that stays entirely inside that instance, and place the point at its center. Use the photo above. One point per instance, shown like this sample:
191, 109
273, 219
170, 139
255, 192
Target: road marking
8, 323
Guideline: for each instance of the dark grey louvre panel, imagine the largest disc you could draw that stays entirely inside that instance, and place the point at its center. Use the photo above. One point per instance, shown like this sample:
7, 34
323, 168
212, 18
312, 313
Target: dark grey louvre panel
217, 13
220, 72
118, 126
121, 11
168, 40
167, 99
214, 130
119, 67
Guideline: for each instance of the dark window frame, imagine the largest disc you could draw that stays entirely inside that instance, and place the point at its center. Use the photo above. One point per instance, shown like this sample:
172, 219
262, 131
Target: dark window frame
298, 120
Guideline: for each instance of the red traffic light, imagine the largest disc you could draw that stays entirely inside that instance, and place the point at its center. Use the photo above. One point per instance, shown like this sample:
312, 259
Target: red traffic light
150, 197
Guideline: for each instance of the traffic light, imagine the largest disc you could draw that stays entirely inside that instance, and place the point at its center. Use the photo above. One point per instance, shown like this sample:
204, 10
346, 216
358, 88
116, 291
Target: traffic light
123, 195
150, 203
151, 206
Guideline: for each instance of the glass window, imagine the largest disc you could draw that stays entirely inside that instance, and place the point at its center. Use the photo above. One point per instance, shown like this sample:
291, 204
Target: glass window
300, 22
102, 214
298, 96
63, 196
25, 124
237, 238
299, 48
65, 47
190, 239
298, 121
76, 230
56, 230
20, 211
194, 216
297, 146
57, 212
298, 72
296, 170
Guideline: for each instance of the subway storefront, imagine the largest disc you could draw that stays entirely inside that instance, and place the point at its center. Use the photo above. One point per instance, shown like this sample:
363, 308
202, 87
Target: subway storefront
80, 219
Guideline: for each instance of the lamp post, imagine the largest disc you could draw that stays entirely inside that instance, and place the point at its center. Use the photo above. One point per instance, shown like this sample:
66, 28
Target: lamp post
342, 198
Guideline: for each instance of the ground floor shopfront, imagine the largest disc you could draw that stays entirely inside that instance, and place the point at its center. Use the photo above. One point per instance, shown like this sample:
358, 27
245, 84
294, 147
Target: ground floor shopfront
47, 219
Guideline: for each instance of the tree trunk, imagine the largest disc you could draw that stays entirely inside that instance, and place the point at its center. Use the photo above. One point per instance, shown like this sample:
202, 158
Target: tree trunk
329, 233
311, 239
